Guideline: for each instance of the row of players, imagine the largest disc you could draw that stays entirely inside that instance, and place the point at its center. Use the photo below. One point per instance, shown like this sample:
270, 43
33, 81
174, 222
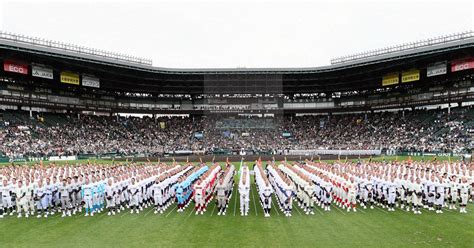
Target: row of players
91, 188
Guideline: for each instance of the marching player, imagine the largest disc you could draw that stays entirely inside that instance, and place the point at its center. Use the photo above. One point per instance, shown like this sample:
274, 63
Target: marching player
49, 189
351, 189
401, 182
157, 192
6, 191
224, 188
72, 195
244, 190
118, 194
134, 189
199, 195
264, 189
63, 192
392, 194
464, 190
431, 192
55, 199
326, 187
29, 197
41, 200
77, 191
21, 201
87, 196
110, 197
417, 196
267, 200
368, 193
439, 195
221, 196
453, 192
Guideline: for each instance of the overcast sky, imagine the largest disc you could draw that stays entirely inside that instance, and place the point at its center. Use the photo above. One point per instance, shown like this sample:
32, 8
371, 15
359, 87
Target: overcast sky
211, 34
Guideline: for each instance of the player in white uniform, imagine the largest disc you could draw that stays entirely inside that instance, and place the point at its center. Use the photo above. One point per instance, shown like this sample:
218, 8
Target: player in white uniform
199, 195
221, 196
244, 190
368, 193
133, 190
264, 189
417, 189
48, 189
77, 192
41, 200
6, 191
110, 197
21, 202
351, 188
29, 197
63, 191
464, 190
453, 192
391, 193
439, 195
157, 191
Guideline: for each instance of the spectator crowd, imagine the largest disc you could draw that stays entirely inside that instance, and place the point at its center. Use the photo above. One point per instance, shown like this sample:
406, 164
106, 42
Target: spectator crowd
411, 131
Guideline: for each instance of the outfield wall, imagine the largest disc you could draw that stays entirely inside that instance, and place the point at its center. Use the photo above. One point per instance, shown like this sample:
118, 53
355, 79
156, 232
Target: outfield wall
236, 158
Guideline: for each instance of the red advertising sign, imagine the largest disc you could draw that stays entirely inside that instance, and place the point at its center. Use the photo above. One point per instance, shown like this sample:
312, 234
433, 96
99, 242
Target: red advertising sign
461, 65
15, 67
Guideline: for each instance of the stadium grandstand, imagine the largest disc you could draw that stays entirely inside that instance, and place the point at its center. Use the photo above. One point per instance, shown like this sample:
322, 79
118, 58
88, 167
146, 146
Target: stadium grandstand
63, 101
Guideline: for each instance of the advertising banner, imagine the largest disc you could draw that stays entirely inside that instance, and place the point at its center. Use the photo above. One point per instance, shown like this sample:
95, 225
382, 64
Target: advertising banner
15, 67
89, 81
461, 65
42, 72
410, 76
69, 78
436, 69
390, 79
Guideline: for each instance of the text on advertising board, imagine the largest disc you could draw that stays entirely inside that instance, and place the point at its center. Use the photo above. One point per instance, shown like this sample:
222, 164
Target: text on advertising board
69, 78
15, 67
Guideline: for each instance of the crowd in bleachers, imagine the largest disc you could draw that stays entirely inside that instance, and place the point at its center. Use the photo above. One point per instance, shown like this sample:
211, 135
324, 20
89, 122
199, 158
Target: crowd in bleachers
61, 134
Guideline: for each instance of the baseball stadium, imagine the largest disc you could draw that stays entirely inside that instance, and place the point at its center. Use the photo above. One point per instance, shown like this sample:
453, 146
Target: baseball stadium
102, 149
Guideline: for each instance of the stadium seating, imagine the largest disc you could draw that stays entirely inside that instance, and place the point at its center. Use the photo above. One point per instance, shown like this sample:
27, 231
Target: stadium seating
49, 134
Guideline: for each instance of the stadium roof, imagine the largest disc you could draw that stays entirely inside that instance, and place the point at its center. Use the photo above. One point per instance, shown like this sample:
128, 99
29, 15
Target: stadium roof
118, 72
54, 48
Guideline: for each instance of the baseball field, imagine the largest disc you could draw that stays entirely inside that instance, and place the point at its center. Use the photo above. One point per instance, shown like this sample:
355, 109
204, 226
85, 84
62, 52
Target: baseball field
337, 228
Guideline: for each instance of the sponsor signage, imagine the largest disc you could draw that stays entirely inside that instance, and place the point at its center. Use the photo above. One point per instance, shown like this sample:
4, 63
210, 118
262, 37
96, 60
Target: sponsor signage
69, 78
42, 72
89, 81
390, 79
461, 65
410, 76
436, 69
15, 67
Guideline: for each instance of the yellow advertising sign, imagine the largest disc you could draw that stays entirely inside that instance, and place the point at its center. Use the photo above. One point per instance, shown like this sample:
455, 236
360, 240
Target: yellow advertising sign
410, 76
390, 79
69, 78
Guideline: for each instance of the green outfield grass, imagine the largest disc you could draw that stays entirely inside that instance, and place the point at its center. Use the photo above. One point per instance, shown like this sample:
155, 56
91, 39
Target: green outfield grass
365, 228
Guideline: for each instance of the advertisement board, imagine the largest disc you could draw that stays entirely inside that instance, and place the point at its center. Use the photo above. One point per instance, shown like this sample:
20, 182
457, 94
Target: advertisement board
15, 67
69, 78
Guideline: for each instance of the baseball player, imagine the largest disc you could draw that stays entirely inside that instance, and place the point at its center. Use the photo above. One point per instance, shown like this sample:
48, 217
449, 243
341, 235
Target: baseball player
244, 190
7, 192
110, 197
87, 196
